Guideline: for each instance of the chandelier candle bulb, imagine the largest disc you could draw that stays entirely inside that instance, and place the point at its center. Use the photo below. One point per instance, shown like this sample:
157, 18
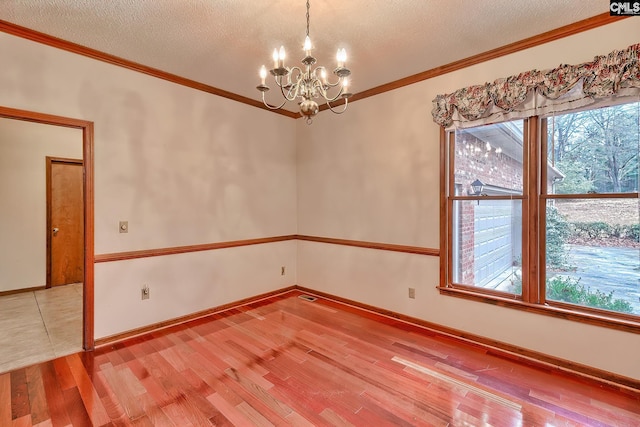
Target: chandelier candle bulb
263, 74
341, 56
281, 56
275, 58
307, 46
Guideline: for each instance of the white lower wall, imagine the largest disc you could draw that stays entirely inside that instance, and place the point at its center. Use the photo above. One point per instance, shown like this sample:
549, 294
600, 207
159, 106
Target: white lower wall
384, 277
187, 283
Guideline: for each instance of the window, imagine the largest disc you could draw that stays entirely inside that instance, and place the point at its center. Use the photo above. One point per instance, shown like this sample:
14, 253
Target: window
486, 206
592, 252
554, 232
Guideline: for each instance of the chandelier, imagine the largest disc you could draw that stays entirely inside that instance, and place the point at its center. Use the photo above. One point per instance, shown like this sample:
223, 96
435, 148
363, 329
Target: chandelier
306, 85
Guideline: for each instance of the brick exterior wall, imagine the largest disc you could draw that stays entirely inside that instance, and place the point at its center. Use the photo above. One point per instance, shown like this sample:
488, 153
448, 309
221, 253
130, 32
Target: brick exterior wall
473, 161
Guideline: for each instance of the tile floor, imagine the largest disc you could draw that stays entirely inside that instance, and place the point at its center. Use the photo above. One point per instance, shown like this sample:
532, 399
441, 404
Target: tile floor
40, 325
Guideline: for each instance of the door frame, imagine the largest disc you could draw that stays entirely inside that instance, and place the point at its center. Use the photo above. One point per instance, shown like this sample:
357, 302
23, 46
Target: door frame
49, 185
88, 340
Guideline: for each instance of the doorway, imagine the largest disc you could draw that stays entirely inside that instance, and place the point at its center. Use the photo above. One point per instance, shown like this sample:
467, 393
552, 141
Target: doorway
65, 234
87, 207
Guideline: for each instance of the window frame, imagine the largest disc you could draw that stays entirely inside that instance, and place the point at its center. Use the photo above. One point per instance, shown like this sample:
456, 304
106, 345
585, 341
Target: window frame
534, 199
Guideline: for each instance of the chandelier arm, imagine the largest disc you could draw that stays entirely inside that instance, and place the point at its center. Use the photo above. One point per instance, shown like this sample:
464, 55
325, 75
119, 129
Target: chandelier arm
299, 72
330, 85
323, 90
294, 88
280, 80
318, 88
292, 93
346, 102
272, 107
326, 81
338, 95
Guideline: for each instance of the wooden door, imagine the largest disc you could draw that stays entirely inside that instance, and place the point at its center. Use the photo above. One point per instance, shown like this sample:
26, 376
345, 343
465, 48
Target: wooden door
65, 222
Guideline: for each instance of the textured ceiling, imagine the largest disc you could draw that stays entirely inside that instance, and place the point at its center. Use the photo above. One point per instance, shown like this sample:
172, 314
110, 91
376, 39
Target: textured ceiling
223, 43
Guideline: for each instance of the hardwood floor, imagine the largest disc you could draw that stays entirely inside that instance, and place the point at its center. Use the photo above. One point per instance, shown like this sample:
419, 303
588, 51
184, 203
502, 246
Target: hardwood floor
286, 361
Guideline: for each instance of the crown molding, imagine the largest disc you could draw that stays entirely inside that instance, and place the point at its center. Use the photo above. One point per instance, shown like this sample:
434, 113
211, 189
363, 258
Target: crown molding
558, 33
549, 36
36, 36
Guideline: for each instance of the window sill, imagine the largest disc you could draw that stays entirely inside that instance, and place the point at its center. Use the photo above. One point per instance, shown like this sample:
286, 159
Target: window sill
547, 310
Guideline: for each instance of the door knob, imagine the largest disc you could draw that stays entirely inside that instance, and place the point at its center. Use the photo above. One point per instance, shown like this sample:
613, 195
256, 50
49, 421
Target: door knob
55, 231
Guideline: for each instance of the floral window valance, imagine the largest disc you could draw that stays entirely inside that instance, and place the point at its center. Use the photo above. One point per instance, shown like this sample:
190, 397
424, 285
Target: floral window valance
542, 92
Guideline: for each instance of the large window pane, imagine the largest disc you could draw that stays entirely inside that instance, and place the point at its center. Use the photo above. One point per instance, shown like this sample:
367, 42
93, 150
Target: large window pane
487, 244
593, 253
491, 154
594, 151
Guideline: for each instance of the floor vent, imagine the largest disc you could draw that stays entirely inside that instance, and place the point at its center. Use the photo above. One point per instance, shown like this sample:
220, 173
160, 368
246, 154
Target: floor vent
307, 298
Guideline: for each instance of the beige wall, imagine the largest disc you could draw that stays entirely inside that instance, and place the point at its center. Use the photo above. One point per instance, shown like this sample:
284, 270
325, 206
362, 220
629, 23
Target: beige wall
373, 175
23, 149
183, 167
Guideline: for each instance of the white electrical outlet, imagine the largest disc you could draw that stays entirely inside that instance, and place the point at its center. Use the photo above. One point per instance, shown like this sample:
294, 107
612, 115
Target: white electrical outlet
412, 292
145, 292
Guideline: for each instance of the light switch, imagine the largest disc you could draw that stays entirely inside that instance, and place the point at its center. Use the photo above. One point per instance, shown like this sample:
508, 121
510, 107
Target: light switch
124, 226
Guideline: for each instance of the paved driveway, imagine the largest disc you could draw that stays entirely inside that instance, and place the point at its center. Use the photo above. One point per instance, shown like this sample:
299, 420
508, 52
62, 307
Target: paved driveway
608, 269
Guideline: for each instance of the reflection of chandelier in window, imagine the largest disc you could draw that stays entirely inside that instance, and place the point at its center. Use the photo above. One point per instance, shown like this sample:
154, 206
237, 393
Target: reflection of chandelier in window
306, 84
476, 149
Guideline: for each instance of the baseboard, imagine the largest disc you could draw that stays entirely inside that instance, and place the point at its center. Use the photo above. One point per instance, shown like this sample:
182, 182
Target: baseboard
183, 319
522, 355
21, 291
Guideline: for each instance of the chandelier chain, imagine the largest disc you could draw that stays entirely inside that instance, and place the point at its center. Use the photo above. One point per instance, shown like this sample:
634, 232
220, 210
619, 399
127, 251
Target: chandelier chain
308, 18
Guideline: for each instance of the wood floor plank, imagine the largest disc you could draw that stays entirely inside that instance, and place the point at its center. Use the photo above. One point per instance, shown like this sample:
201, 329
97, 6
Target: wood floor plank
75, 408
230, 412
90, 398
55, 397
153, 413
19, 394
177, 415
63, 374
195, 408
24, 421
334, 419
297, 420
109, 399
198, 390
286, 361
419, 413
37, 397
307, 403
262, 394
123, 393
255, 418
5, 399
